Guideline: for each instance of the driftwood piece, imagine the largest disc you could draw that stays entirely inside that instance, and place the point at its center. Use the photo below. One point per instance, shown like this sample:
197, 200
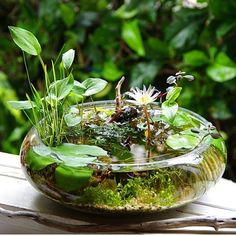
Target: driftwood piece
150, 226
118, 94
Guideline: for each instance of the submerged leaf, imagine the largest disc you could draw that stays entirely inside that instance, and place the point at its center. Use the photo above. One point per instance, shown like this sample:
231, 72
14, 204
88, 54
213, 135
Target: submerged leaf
71, 178
38, 162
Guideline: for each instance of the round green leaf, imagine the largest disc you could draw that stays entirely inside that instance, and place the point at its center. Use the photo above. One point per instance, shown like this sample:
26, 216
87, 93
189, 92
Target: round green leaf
72, 119
178, 141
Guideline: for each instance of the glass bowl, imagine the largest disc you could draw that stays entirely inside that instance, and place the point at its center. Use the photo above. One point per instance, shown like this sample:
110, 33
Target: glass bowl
147, 186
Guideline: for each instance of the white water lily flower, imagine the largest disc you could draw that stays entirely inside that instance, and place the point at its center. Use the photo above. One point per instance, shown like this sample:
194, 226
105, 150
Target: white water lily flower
143, 97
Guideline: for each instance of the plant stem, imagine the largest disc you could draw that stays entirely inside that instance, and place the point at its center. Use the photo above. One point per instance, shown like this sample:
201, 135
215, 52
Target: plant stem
94, 107
27, 72
148, 125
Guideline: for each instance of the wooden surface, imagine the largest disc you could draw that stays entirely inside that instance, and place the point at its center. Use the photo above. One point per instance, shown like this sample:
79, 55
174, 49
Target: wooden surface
17, 196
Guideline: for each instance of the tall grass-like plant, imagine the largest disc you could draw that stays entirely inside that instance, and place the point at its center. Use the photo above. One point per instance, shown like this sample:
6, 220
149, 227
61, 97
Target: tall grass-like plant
48, 110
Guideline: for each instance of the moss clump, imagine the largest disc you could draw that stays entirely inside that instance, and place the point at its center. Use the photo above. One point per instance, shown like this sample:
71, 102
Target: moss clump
156, 189
102, 194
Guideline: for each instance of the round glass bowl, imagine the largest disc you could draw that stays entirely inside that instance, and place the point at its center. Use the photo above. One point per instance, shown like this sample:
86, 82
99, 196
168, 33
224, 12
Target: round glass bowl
150, 186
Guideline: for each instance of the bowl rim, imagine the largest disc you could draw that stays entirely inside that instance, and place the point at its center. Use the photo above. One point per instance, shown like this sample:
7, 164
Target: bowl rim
191, 157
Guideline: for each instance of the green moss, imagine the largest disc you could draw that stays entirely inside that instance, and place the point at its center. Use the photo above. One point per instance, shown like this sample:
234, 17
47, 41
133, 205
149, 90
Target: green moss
102, 194
155, 189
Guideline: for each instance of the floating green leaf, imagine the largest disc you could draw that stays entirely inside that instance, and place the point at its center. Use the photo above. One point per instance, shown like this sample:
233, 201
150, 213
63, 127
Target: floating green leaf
25, 40
68, 58
93, 86
71, 178
178, 141
22, 105
73, 149
132, 36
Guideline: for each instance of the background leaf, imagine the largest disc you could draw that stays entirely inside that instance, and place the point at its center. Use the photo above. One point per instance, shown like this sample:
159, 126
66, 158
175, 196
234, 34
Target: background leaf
144, 73
195, 58
111, 72
132, 36
223, 69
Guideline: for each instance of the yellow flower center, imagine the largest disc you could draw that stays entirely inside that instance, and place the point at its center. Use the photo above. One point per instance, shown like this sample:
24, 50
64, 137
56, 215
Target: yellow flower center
144, 99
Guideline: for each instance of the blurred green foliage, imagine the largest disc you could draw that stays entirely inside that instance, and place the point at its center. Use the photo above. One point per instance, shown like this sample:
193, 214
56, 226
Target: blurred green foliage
145, 40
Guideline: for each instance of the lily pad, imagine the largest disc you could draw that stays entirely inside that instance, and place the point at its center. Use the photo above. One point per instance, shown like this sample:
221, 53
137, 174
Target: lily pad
73, 149
178, 141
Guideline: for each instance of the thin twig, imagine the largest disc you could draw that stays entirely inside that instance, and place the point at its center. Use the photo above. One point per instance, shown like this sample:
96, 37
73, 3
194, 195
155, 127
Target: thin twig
150, 226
